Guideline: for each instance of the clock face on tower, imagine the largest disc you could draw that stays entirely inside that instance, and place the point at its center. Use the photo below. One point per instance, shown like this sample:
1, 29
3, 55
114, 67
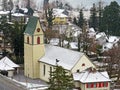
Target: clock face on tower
38, 29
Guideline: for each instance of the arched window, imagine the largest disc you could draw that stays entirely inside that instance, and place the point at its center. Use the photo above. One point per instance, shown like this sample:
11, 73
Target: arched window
28, 40
38, 40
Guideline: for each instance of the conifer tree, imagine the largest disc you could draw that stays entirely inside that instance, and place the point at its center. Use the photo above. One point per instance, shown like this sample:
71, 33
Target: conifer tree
111, 19
93, 18
60, 79
100, 16
4, 5
49, 17
81, 19
75, 21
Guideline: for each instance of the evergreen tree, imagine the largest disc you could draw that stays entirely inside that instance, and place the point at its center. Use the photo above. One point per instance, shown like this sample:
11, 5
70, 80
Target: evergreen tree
17, 41
111, 19
4, 5
10, 7
45, 4
28, 4
75, 21
100, 16
57, 3
81, 19
60, 80
30, 10
5, 28
61, 5
49, 17
93, 18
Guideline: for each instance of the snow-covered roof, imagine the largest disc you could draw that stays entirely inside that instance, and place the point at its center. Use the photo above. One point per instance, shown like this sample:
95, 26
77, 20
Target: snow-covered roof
61, 15
57, 10
101, 34
100, 64
67, 58
5, 67
54, 41
74, 45
88, 76
18, 15
91, 30
7, 64
107, 46
4, 12
113, 39
24, 9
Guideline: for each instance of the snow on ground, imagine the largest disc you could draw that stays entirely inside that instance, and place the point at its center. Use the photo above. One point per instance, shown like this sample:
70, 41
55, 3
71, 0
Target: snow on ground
32, 86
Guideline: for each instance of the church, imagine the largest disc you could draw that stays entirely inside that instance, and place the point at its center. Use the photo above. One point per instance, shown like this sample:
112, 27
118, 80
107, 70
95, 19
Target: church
40, 58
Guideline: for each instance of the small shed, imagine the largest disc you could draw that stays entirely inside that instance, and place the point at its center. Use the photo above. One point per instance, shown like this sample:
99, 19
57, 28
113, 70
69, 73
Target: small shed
6, 65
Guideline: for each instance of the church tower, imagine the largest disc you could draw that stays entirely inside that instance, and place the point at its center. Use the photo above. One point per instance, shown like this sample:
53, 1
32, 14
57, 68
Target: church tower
33, 48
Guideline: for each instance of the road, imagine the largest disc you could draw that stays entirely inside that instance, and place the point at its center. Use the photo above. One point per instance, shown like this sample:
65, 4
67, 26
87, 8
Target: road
6, 84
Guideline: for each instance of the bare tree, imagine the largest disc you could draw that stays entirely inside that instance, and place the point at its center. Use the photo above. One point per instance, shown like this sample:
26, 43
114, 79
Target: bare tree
113, 62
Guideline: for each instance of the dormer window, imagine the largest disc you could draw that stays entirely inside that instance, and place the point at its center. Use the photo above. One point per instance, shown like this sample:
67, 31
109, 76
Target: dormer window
38, 40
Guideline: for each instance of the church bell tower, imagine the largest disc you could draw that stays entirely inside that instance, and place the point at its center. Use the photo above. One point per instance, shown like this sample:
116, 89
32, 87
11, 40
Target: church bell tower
33, 48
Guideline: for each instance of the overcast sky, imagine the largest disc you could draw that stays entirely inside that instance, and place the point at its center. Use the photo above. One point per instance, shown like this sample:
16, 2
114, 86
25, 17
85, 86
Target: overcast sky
82, 3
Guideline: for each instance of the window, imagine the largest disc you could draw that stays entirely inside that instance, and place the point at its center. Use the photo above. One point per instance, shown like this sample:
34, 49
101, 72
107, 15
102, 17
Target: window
38, 40
95, 85
78, 70
88, 85
50, 69
105, 84
28, 40
61, 18
92, 85
83, 64
38, 29
102, 85
99, 84
44, 70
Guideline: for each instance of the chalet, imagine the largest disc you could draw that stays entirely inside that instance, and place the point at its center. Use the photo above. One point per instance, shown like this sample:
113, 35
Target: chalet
60, 17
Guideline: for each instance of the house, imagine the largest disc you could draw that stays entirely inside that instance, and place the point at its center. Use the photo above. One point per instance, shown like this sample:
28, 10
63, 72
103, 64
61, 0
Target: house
112, 42
60, 17
101, 38
40, 58
91, 79
7, 65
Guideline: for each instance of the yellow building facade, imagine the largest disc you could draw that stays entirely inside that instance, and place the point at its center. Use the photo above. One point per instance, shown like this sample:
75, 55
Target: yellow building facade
60, 20
33, 48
